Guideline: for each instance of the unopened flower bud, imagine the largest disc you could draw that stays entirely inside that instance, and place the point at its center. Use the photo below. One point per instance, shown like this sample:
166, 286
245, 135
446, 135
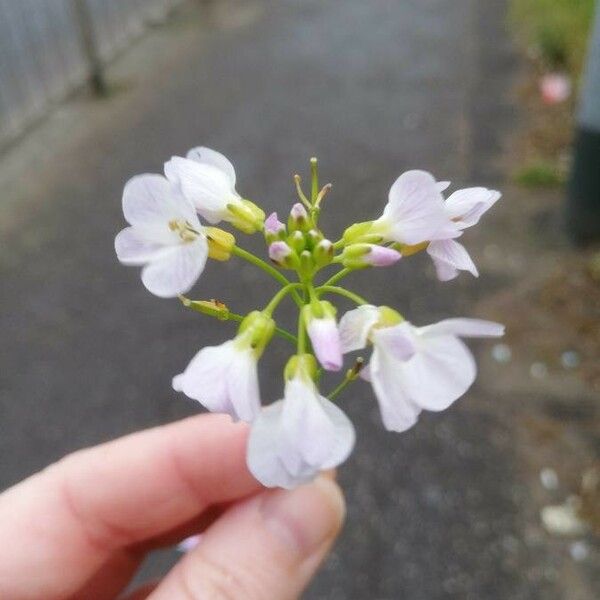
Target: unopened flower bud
323, 253
220, 243
297, 241
281, 254
357, 232
298, 219
313, 237
274, 228
319, 318
357, 256
256, 329
246, 216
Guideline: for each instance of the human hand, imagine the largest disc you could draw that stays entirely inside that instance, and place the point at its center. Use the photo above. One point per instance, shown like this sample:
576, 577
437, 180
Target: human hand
80, 528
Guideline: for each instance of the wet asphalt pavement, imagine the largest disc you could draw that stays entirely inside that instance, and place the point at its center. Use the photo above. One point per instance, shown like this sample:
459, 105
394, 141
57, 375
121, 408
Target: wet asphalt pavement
372, 88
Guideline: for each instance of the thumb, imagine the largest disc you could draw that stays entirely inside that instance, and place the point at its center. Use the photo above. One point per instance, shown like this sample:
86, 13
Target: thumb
267, 547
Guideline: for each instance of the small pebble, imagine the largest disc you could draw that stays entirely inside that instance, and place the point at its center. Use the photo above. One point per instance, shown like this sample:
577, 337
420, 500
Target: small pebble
579, 551
501, 353
549, 478
538, 370
570, 359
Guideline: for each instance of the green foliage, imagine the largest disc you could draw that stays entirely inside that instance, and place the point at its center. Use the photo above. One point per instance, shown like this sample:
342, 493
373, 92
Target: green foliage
558, 29
539, 174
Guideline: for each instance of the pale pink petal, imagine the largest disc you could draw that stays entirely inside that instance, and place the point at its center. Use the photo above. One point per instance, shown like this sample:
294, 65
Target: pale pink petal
355, 327
177, 270
279, 251
133, 248
325, 339
440, 372
442, 186
398, 341
380, 256
273, 225
464, 328
468, 205
201, 154
150, 200
242, 385
207, 187
398, 411
415, 210
205, 378
450, 256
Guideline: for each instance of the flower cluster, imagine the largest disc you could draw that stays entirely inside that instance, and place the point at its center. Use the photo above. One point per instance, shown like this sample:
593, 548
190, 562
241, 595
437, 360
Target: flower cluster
411, 368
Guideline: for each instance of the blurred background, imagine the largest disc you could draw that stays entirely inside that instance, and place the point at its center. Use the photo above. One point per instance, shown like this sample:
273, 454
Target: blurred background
497, 497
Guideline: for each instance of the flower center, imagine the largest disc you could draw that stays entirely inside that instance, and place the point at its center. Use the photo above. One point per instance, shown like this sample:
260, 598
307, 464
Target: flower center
183, 229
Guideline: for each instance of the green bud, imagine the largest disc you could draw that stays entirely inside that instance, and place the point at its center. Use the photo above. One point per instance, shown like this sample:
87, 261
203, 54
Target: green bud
356, 232
313, 237
297, 241
323, 253
256, 330
246, 216
299, 219
303, 365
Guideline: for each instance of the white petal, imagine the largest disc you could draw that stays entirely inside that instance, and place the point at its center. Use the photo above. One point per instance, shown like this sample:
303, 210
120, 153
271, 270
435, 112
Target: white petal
343, 434
415, 210
468, 205
440, 372
207, 187
355, 327
442, 186
398, 411
151, 201
201, 154
264, 444
205, 380
305, 423
133, 248
242, 385
464, 328
177, 270
397, 341
449, 256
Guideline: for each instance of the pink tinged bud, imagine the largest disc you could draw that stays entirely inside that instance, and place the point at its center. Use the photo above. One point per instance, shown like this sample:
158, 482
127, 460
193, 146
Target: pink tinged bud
325, 339
279, 251
298, 212
273, 225
380, 256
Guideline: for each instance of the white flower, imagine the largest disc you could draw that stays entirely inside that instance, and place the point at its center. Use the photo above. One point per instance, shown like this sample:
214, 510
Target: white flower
295, 438
165, 236
465, 208
415, 211
414, 368
223, 379
207, 179
323, 333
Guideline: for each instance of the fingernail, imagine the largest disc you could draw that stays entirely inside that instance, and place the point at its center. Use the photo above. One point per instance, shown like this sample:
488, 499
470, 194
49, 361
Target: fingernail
304, 518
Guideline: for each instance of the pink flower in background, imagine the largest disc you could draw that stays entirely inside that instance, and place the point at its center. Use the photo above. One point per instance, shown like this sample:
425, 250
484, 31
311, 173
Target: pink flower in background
555, 88
164, 236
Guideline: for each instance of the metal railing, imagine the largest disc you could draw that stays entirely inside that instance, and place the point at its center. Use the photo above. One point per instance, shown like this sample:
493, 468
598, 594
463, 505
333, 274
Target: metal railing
50, 47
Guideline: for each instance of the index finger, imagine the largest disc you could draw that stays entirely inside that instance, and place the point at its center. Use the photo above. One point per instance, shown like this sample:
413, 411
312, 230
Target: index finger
63, 523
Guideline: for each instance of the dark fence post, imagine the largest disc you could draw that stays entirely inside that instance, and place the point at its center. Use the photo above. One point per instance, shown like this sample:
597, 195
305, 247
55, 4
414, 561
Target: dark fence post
90, 47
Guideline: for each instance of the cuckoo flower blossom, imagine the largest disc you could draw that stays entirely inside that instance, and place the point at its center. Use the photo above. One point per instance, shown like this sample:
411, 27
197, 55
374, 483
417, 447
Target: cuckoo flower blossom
414, 368
295, 438
465, 208
224, 378
207, 179
164, 236
414, 212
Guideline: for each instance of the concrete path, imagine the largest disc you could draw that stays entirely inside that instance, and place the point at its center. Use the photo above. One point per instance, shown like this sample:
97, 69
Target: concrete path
372, 88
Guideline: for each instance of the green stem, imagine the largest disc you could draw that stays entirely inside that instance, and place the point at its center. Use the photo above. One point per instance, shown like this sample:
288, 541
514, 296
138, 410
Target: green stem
331, 289
301, 340
266, 267
279, 296
340, 387
339, 275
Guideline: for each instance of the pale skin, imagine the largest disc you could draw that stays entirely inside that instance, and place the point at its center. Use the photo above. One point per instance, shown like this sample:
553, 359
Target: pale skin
80, 528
